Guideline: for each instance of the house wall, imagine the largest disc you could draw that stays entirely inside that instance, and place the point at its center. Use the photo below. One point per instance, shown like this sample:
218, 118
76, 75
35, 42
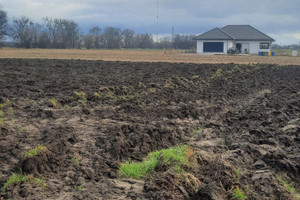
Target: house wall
254, 46
227, 45
251, 46
245, 45
230, 44
199, 46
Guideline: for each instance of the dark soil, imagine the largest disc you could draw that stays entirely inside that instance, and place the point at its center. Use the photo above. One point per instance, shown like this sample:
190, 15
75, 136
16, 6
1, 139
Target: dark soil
242, 122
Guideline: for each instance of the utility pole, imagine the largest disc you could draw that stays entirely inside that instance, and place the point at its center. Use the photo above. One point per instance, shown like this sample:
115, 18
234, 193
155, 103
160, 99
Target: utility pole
172, 33
172, 39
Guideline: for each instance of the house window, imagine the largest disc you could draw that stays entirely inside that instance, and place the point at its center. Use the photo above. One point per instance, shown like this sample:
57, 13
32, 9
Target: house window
264, 45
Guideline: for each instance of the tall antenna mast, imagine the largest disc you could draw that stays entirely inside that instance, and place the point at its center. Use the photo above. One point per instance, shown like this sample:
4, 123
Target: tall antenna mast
157, 21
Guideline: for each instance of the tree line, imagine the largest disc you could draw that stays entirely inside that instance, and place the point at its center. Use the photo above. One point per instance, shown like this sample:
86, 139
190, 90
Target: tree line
292, 46
65, 33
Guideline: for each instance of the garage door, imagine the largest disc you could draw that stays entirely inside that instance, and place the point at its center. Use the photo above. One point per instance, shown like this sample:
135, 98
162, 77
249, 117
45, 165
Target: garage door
213, 46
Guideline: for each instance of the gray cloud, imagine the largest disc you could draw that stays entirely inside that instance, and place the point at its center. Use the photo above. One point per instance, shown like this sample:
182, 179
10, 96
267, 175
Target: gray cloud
275, 17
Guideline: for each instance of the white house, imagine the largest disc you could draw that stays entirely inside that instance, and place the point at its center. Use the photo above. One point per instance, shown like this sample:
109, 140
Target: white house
243, 37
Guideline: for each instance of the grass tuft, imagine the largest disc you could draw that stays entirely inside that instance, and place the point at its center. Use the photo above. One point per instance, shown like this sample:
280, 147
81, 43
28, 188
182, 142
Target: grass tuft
139, 170
238, 174
1, 117
54, 103
288, 186
19, 178
75, 160
35, 151
14, 178
82, 97
40, 182
238, 194
80, 187
67, 107
198, 130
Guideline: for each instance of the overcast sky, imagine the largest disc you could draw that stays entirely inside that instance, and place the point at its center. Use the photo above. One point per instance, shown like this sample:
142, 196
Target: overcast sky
279, 19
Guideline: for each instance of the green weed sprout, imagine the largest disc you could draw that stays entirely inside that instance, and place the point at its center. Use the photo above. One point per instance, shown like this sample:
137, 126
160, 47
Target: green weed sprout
238, 194
35, 151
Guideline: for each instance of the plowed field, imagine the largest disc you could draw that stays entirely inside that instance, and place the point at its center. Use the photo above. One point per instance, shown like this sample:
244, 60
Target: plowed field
241, 124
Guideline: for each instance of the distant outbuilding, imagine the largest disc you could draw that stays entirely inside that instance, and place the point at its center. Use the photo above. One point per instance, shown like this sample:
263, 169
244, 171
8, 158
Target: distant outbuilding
245, 38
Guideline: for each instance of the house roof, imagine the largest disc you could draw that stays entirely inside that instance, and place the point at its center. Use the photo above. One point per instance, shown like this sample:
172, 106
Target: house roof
216, 34
234, 32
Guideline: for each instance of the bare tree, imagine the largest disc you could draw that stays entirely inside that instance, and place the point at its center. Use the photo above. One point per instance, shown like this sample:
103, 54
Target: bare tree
3, 23
95, 30
164, 43
146, 41
52, 30
88, 41
44, 40
143, 41
23, 31
112, 38
128, 38
183, 41
70, 33
63, 33
96, 34
35, 31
